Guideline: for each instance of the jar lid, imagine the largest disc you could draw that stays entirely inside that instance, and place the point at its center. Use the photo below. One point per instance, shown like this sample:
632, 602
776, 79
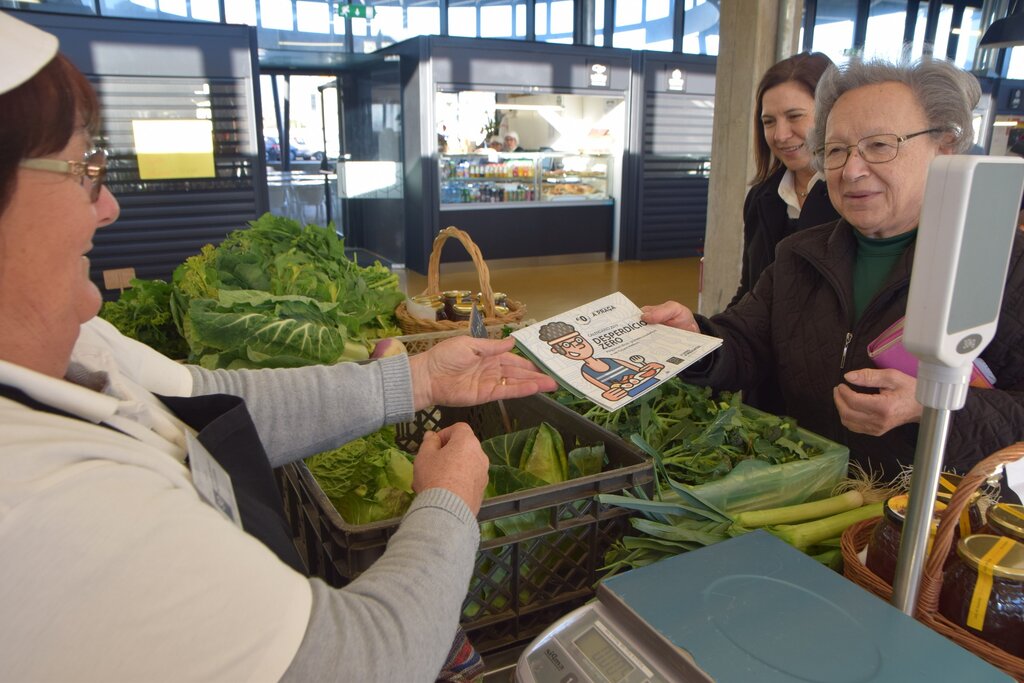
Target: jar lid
1009, 565
1008, 519
457, 294
948, 482
896, 509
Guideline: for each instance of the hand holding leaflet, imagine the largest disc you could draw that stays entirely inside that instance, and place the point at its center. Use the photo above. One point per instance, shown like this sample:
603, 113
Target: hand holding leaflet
603, 351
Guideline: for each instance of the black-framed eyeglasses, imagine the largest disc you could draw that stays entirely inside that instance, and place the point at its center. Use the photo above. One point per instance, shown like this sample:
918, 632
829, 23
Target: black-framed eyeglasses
874, 149
92, 166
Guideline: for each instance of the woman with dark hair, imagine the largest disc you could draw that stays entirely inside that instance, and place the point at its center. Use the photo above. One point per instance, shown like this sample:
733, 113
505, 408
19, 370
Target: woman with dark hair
143, 536
786, 195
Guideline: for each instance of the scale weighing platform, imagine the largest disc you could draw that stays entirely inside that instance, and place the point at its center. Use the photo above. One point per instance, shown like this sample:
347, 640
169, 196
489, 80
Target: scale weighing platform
749, 610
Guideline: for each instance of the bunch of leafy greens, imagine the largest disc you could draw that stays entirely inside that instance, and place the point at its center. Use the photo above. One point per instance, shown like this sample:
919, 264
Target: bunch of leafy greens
529, 458
698, 438
143, 312
370, 479
367, 480
276, 295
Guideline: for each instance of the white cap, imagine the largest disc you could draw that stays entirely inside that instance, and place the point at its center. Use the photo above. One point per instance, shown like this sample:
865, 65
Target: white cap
24, 50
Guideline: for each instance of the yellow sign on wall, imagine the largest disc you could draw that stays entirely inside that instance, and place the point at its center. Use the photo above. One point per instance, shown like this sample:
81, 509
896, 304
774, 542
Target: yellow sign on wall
178, 148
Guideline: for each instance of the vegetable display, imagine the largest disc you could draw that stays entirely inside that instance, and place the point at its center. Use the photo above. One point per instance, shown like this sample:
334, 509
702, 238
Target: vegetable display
698, 438
370, 479
273, 295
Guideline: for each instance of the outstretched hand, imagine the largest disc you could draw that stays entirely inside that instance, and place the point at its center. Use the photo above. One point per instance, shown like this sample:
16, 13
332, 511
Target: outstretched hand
464, 371
671, 313
895, 403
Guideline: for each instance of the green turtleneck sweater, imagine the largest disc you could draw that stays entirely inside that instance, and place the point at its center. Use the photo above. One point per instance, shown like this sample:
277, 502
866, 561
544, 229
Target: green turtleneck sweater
875, 259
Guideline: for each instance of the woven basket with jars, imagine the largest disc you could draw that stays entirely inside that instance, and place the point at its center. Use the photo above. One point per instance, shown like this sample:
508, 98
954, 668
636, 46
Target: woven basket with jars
511, 314
995, 594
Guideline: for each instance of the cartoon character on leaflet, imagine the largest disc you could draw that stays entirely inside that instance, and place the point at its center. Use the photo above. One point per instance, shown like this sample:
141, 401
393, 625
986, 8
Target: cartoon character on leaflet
616, 378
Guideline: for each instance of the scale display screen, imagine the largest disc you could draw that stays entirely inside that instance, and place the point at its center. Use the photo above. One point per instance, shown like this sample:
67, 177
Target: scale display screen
603, 655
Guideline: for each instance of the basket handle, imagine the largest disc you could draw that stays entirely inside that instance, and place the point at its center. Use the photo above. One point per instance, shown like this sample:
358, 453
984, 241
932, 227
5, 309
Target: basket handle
931, 577
434, 266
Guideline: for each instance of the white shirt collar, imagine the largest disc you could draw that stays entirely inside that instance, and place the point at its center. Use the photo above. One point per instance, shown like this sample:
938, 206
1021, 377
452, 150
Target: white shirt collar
787, 191
59, 393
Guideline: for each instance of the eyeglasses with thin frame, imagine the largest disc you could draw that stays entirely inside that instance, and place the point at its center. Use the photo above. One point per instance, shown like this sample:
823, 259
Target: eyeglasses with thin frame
92, 166
874, 149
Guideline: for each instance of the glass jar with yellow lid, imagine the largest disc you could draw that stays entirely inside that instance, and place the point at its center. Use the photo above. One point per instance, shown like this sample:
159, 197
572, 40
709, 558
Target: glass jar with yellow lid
983, 590
884, 544
1007, 519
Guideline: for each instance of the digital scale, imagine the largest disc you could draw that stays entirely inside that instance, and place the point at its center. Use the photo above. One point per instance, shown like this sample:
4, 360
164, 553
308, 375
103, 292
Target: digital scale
748, 610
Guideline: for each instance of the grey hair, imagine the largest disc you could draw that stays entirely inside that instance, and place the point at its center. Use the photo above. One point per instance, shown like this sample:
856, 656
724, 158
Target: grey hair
946, 93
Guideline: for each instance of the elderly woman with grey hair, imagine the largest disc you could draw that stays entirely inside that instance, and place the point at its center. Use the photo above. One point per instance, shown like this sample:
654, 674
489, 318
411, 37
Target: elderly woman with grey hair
835, 288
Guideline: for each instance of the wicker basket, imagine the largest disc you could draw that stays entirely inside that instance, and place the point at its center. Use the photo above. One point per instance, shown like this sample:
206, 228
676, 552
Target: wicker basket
413, 325
855, 539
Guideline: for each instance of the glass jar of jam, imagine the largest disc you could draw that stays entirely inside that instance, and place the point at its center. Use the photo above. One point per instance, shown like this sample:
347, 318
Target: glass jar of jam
983, 590
453, 297
425, 307
884, 544
462, 311
972, 521
1007, 519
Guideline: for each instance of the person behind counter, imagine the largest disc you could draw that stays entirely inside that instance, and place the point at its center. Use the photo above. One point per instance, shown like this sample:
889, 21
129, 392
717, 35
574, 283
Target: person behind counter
114, 569
512, 142
834, 288
786, 194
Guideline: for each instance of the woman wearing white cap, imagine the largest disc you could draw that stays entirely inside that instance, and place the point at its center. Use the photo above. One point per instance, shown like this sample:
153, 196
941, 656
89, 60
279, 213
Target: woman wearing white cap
113, 567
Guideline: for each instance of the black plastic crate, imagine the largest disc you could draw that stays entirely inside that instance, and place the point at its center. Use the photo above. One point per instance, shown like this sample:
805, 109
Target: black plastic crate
521, 583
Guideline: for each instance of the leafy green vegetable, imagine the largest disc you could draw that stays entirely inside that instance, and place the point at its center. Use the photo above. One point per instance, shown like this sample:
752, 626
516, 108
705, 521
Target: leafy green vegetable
367, 480
144, 312
273, 295
698, 438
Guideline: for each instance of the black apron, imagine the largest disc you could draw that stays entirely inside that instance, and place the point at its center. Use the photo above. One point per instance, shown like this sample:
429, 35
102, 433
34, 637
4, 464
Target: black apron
226, 429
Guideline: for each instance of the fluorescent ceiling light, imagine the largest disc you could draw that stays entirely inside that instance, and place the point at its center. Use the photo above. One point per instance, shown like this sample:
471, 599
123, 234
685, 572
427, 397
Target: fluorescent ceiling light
1006, 124
965, 31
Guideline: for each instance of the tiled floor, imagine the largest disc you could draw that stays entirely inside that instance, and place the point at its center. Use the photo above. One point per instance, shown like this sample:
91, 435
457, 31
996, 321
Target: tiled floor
548, 289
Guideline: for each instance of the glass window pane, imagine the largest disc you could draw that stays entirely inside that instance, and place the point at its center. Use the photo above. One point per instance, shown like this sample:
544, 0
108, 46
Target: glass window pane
970, 34
56, 6
487, 18
462, 21
313, 17
645, 26
206, 10
833, 29
1015, 70
395, 21
941, 31
700, 26
496, 21
240, 12
553, 20
176, 8
599, 23
276, 14
884, 37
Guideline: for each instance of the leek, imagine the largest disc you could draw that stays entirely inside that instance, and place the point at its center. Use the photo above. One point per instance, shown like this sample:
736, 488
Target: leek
802, 536
790, 514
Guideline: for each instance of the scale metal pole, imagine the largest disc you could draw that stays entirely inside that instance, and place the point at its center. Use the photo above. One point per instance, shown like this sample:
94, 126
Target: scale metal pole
931, 445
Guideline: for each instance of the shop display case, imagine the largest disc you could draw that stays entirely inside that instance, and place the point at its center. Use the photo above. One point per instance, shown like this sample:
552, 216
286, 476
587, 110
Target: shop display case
517, 178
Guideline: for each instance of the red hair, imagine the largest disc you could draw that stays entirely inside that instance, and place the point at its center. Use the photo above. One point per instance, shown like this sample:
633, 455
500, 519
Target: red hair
40, 116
